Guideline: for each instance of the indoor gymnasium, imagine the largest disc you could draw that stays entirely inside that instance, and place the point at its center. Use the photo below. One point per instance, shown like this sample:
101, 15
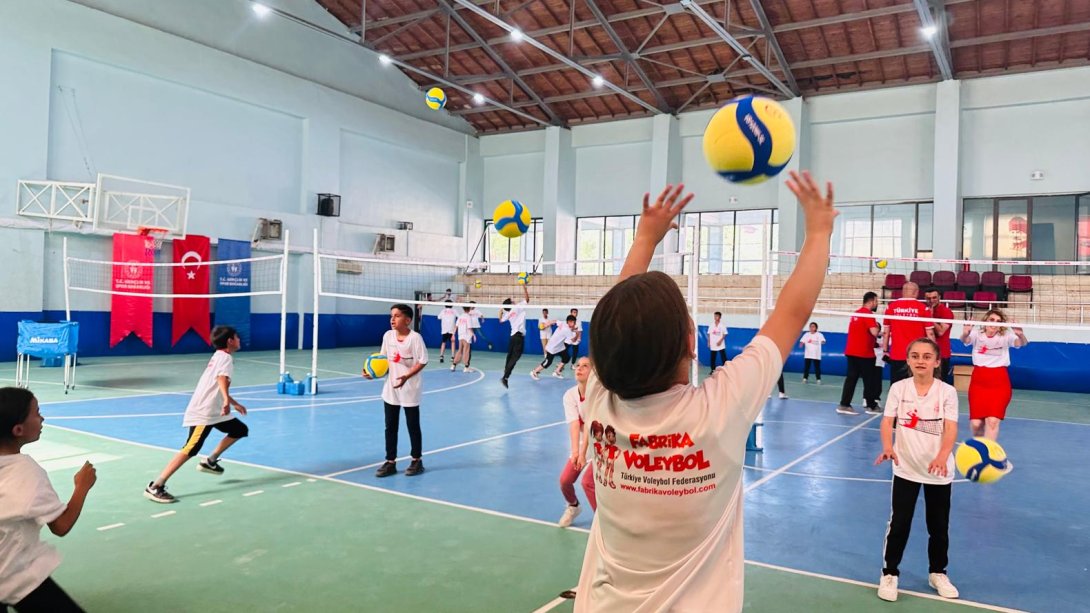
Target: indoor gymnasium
544, 305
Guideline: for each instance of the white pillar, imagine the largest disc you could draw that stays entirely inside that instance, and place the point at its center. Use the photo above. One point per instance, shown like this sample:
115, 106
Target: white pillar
665, 166
946, 240
558, 199
792, 224
470, 219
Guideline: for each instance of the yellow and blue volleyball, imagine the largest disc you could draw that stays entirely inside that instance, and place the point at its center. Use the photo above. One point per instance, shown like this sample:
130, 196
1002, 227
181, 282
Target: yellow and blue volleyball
749, 139
982, 460
881, 264
511, 219
435, 98
524, 278
376, 365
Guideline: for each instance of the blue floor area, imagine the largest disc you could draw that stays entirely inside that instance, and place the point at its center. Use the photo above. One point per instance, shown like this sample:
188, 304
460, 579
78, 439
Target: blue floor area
1023, 542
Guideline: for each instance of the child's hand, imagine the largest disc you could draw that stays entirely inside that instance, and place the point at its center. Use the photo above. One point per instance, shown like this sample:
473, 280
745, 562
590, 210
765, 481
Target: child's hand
238, 407
226, 410
658, 218
818, 209
937, 467
401, 381
887, 454
85, 477
365, 375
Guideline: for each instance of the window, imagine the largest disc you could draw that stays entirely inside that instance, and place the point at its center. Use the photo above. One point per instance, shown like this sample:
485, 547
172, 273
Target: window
730, 242
525, 249
1041, 228
902, 230
603, 238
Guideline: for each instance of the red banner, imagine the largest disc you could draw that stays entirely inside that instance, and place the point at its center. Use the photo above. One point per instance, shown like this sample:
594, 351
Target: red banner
131, 314
193, 251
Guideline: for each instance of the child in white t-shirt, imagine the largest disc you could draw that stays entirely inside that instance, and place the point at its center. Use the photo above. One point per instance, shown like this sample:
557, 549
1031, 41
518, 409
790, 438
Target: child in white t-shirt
669, 536
925, 411
407, 356
545, 326
556, 347
464, 340
28, 502
475, 325
448, 319
811, 343
209, 408
717, 340
577, 434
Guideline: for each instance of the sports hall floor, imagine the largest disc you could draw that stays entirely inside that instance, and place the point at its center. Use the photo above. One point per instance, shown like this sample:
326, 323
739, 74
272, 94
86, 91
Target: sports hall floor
300, 523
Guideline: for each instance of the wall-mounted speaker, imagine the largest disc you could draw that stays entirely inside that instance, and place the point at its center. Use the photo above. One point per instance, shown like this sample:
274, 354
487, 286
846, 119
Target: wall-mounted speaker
329, 205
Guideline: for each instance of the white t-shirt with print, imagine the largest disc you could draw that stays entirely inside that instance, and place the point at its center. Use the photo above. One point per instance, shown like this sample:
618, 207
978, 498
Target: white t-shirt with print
447, 317
577, 337
717, 336
669, 536
991, 351
559, 339
475, 318
27, 503
402, 356
517, 317
573, 405
920, 422
206, 405
463, 327
812, 345
547, 331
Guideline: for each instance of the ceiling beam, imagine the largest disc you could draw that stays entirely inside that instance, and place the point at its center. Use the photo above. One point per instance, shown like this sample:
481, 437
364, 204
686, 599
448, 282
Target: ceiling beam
547, 50
938, 40
1007, 36
495, 57
770, 39
627, 55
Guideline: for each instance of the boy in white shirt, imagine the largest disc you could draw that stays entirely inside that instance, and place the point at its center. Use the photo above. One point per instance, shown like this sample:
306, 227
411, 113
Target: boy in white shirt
28, 502
811, 343
517, 318
448, 318
717, 340
545, 325
925, 410
670, 536
209, 407
573, 343
407, 356
556, 347
464, 340
475, 325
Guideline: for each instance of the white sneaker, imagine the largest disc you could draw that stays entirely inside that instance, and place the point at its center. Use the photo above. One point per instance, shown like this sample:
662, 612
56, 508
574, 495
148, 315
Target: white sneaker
783, 396
533, 375
843, 410
452, 367
819, 381
467, 369
942, 585
558, 375
887, 588
805, 381
569, 516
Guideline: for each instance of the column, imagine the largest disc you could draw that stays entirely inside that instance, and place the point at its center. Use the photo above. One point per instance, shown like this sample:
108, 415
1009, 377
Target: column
947, 194
558, 204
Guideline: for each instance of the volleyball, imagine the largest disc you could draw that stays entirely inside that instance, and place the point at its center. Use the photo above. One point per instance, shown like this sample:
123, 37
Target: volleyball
524, 278
511, 219
477, 284
435, 98
982, 460
881, 263
376, 365
749, 139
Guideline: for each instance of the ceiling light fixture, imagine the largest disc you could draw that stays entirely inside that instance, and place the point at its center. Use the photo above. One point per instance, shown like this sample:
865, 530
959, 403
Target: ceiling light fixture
929, 31
384, 59
260, 9
478, 99
516, 35
598, 81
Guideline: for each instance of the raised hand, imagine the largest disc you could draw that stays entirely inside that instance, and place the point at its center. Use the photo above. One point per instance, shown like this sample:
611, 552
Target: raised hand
658, 218
817, 208
85, 477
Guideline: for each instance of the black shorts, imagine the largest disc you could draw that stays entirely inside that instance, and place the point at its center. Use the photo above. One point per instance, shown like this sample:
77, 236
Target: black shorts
233, 428
447, 336
563, 355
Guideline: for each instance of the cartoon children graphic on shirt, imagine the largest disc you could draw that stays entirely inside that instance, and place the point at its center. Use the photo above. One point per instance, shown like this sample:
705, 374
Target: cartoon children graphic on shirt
612, 451
596, 433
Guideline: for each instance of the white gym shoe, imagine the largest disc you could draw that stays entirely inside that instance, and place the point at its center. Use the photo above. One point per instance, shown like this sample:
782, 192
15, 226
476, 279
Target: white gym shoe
942, 585
533, 375
887, 588
843, 410
569, 516
783, 396
557, 375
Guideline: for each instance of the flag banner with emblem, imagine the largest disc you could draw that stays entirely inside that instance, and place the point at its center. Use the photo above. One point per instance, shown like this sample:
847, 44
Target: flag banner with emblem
192, 277
233, 278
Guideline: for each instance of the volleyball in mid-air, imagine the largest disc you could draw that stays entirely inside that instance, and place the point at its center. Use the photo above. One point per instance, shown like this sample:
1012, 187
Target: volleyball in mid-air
511, 219
749, 139
524, 278
982, 460
376, 365
435, 98
881, 264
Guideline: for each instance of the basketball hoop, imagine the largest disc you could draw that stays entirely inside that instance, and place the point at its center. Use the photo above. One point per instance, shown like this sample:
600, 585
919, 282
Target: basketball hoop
154, 235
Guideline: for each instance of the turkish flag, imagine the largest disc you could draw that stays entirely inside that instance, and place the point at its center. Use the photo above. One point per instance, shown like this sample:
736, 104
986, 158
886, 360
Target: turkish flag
131, 313
191, 277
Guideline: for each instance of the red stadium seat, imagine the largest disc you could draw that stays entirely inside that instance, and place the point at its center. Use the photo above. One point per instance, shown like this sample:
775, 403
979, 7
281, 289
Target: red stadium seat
983, 300
954, 299
921, 278
944, 281
968, 282
1021, 284
994, 281
893, 282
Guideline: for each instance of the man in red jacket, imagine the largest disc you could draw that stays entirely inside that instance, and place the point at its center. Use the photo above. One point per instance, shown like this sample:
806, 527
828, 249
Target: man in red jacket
942, 330
899, 333
859, 352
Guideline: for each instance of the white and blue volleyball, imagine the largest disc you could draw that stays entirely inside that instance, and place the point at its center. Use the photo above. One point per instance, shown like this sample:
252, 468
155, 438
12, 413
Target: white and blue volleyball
749, 139
511, 218
435, 98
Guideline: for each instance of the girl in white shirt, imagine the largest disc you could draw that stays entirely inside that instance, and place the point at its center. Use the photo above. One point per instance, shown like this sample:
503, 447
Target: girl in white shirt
925, 411
811, 343
669, 536
990, 386
577, 434
28, 502
717, 340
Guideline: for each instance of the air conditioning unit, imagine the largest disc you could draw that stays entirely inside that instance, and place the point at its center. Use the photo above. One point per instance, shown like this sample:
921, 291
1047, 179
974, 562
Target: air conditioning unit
404, 225
384, 243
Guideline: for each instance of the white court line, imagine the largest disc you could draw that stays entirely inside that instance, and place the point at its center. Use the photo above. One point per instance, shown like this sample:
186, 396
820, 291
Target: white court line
142, 363
163, 514
968, 603
109, 527
292, 484
458, 446
210, 503
296, 366
834, 477
311, 405
808, 454
254, 493
519, 518
99, 387
552, 604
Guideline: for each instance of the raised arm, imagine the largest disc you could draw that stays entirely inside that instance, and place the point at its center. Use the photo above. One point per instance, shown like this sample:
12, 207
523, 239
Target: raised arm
526, 293
656, 220
1021, 341
798, 296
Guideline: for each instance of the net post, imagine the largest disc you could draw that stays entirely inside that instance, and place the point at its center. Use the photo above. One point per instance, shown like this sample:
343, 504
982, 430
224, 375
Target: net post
67, 291
694, 271
313, 379
284, 304
754, 441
